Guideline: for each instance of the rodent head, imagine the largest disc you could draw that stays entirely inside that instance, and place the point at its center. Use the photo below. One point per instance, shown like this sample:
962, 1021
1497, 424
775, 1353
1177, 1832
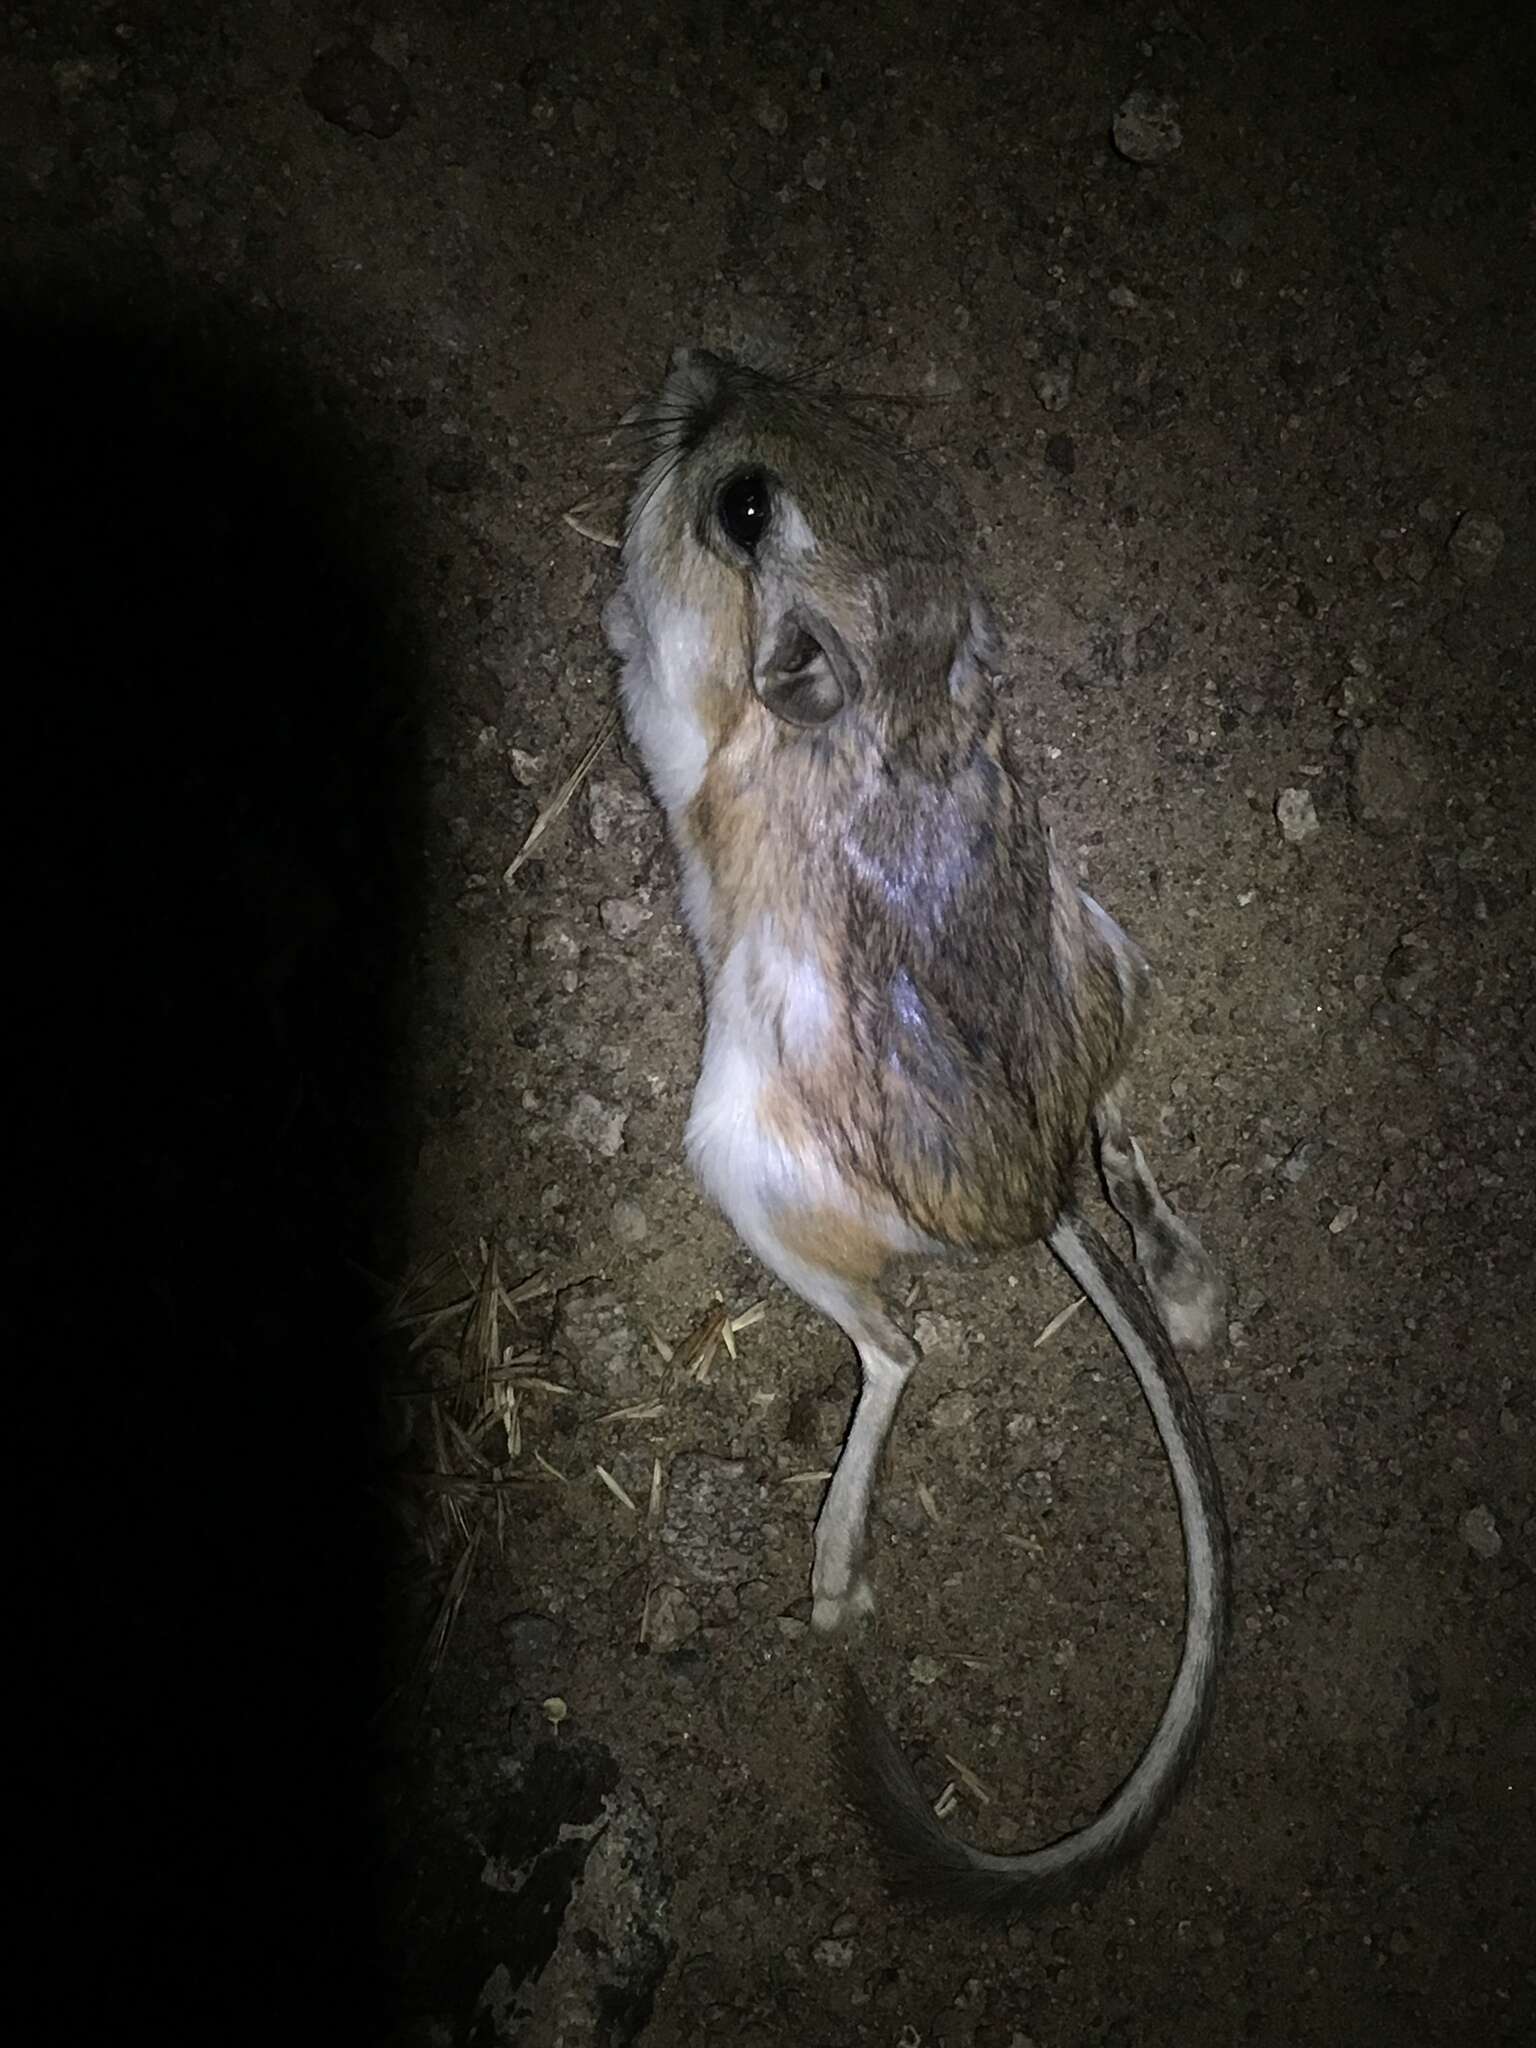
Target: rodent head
818, 557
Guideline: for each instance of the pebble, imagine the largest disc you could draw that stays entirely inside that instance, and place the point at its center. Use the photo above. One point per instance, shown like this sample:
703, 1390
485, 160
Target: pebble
356, 90
1480, 1532
833, 1955
526, 768
937, 1336
1053, 386
1146, 128
1301, 1160
952, 1411
1476, 544
597, 1126
614, 812
552, 939
1296, 815
623, 916
769, 115
926, 1670
670, 1619
629, 1223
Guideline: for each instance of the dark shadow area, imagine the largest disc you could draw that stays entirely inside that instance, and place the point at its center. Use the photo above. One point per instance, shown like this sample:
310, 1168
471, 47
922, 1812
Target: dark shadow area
213, 834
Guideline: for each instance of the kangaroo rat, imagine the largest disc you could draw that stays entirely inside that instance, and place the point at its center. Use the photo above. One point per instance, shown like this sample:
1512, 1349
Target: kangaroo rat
913, 1015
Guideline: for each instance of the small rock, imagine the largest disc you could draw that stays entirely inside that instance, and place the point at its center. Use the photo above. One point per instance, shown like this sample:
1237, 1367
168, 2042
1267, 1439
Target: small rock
552, 939
1301, 1160
1340, 1222
597, 1126
1296, 815
594, 1334
1388, 785
671, 1619
527, 768
629, 1223
1146, 128
1123, 298
356, 90
833, 1955
769, 115
1480, 1532
1053, 386
1476, 544
614, 812
1151, 647
196, 153
952, 1411
938, 1337
816, 1425
623, 916
724, 1608
926, 1670
817, 168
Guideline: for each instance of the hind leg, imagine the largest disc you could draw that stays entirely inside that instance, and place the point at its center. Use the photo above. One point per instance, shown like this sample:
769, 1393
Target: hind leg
839, 1586
1180, 1275
829, 1262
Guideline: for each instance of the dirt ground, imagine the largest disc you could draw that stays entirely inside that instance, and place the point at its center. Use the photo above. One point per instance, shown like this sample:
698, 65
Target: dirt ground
324, 318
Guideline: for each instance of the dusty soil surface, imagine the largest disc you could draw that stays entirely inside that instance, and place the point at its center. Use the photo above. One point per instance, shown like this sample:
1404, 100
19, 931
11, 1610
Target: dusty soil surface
324, 319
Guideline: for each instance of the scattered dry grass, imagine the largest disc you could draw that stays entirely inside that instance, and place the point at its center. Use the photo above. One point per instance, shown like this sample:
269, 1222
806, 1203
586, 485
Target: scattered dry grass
480, 1385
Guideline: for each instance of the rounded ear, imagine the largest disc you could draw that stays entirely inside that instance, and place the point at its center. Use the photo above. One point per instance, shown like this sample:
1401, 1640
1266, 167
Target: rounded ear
804, 673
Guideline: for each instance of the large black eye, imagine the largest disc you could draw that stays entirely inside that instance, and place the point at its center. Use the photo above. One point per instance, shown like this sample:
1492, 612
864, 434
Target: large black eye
744, 505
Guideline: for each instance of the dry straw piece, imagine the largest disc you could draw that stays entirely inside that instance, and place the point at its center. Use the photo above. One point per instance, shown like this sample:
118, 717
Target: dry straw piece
1056, 1322
615, 1489
562, 796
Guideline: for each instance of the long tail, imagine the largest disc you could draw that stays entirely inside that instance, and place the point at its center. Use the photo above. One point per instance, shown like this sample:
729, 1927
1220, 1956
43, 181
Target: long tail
921, 1857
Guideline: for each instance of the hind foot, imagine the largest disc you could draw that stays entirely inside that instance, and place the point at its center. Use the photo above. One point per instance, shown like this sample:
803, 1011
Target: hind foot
1180, 1275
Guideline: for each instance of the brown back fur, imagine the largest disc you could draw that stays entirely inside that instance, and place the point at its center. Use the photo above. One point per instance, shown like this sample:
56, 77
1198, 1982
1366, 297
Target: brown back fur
979, 1012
